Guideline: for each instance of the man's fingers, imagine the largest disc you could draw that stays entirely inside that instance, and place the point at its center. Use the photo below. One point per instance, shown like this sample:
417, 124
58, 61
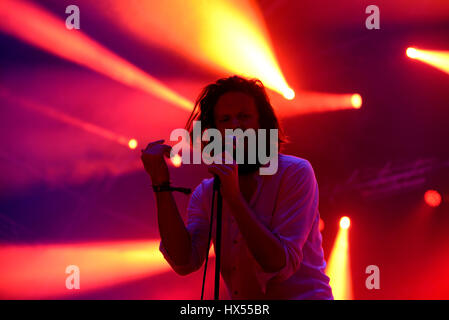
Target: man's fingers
217, 171
227, 156
166, 149
154, 143
222, 168
157, 147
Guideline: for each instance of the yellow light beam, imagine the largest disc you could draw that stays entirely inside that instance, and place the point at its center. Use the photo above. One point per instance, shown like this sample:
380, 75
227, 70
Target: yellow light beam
313, 102
39, 271
338, 267
435, 58
226, 35
40, 28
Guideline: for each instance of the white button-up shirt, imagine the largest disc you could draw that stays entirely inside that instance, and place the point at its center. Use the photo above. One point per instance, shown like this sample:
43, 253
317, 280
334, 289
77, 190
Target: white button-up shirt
287, 204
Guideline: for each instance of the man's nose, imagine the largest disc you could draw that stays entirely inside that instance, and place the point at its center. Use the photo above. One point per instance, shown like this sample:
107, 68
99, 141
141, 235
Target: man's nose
235, 123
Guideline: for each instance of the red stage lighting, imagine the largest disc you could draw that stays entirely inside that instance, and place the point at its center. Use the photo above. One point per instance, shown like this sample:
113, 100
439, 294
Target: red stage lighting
35, 25
338, 267
432, 198
321, 225
356, 101
132, 144
345, 222
436, 58
176, 160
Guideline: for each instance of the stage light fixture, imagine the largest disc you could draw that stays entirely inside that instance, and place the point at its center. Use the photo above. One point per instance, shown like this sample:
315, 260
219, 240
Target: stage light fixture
432, 198
345, 222
356, 101
176, 160
33, 24
132, 144
338, 267
436, 58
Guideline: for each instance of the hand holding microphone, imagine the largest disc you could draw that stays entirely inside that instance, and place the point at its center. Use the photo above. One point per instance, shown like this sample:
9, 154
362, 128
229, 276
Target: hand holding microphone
227, 174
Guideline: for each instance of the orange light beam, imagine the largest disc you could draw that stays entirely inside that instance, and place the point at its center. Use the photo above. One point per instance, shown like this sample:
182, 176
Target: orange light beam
436, 58
225, 35
60, 116
314, 102
39, 271
40, 28
338, 267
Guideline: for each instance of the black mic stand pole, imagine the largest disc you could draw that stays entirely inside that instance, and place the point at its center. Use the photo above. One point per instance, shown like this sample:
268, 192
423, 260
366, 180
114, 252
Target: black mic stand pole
218, 240
216, 189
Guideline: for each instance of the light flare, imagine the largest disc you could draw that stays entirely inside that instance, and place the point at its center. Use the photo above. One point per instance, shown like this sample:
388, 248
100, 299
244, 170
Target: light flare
436, 58
314, 102
356, 101
38, 271
227, 35
40, 28
345, 223
70, 120
132, 144
432, 198
176, 160
338, 267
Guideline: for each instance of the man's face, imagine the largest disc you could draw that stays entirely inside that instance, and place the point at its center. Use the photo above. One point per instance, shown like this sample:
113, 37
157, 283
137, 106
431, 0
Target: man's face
236, 110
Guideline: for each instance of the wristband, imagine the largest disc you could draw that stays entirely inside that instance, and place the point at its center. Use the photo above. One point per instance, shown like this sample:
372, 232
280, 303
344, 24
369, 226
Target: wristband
167, 187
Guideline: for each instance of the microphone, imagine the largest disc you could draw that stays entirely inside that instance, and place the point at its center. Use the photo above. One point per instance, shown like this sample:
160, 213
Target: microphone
227, 143
233, 146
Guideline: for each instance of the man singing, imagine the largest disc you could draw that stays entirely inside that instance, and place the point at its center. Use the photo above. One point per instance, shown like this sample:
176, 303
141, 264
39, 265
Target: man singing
271, 243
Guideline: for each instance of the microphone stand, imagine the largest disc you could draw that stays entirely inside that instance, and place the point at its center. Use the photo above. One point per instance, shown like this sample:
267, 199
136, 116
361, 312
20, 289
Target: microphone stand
218, 241
216, 189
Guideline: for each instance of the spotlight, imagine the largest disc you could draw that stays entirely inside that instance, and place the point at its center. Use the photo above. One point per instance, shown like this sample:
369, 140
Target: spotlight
225, 35
356, 101
432, 198
176, 160
412, 53
132, 144
37, 26
289, 94
345, 223
36, 271
65, 118
436, 58
338, 268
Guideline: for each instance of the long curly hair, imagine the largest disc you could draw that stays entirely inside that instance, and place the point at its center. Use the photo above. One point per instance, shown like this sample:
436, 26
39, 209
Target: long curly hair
208, 98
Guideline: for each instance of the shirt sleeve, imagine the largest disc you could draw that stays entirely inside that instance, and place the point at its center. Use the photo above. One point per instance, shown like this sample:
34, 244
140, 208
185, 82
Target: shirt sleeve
293, 218
198, 229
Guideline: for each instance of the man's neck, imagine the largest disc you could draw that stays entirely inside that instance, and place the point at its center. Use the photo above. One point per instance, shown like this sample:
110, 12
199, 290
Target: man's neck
248, 184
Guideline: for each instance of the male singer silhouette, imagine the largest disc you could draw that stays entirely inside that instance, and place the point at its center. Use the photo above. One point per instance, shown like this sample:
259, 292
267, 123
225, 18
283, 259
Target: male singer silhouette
271, 243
